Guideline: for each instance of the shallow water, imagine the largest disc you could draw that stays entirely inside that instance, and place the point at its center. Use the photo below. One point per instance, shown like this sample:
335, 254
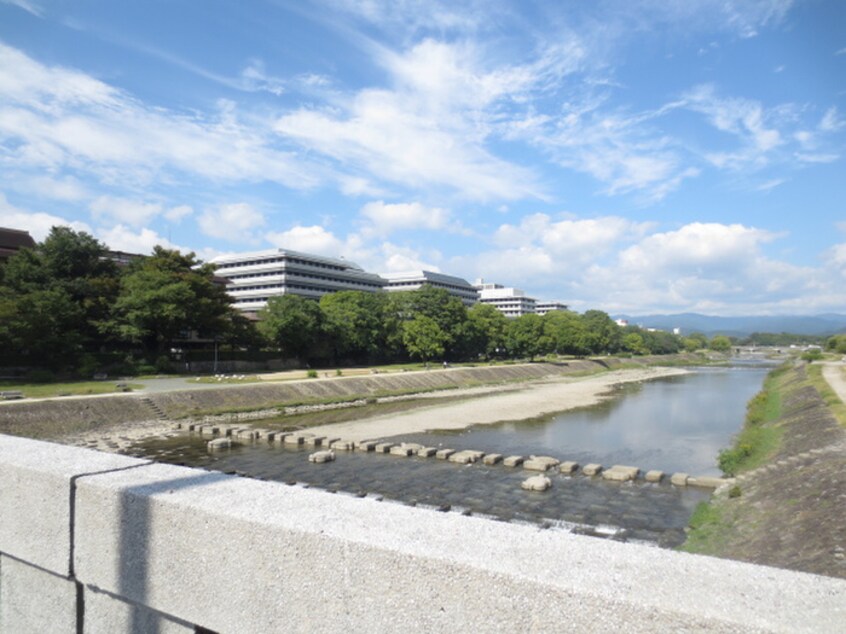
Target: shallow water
672, 424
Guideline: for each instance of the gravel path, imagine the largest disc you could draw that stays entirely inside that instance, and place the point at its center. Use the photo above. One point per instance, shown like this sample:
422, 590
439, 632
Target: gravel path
835, 374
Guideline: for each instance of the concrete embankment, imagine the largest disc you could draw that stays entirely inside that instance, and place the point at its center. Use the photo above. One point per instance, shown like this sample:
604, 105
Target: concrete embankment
789, 512
50, 418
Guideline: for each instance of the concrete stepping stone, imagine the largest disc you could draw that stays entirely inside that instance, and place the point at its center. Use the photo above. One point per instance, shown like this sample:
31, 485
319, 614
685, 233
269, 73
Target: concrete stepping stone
513, 461
654, 476
464, 457
679, 479
568, 467
592, 469
319, 457
219, 443
366, 445
427, 452
294, 439
342, 445
706, 482
315, 441
401, 450
444, 454
621, 473
536, 483
492, 458
540, 463
383, 447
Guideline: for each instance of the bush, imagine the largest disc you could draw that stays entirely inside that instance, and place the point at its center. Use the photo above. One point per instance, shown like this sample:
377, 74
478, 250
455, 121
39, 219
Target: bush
730, 459
735, 492
40, 376
812, 355
312, 374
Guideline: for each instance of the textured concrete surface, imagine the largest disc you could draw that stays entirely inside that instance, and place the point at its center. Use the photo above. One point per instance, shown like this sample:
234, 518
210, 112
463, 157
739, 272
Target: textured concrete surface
33, 601
357, 563
106, 614
35, 481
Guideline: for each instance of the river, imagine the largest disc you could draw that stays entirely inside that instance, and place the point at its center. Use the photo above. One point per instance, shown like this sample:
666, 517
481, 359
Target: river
672, 424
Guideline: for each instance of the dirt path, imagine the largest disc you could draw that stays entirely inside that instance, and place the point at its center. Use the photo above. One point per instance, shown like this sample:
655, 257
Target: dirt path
555, 395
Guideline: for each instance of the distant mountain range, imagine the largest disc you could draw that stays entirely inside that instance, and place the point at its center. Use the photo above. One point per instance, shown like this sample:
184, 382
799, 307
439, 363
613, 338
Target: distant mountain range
826, 324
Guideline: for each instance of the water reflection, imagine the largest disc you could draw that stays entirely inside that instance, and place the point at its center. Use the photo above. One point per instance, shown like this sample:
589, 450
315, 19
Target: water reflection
673, 424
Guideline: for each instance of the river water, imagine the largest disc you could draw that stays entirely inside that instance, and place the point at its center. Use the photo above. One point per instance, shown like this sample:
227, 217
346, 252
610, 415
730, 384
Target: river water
672, 424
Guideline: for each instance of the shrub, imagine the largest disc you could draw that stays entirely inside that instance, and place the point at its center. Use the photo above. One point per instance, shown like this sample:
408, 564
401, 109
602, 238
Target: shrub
312, 374
812, 355
734, 492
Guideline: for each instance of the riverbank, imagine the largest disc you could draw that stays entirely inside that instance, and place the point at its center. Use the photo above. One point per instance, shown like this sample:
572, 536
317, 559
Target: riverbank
494, 406
787, 509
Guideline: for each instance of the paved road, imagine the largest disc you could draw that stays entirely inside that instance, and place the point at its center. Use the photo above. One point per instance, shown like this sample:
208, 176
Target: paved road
834, 374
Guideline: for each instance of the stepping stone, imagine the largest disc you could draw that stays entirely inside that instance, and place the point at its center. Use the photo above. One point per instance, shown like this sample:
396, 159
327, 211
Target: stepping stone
320, 457
383, 447
621, 473
654, 476
342, 445
280, 436
592, 469
246, 434
540, 463
400, 450
706, 482
679, 479
366, 445
492, 458
294, 439
513, 461
219, 443
568, 468
536, 483
315, 441
427, 452
444, 454
464, 457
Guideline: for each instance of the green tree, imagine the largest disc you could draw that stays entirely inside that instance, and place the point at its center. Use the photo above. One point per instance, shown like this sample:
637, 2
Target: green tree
720, 343
166, 296
633, 342
293, 324
567, 333
836, 343
424, 338
603, 334
485, 331
352, 321
56, 298
525, 337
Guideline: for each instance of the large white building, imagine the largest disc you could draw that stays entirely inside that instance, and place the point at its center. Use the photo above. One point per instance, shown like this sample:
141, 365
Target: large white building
253, 278
413, 280
511, 302
542, 308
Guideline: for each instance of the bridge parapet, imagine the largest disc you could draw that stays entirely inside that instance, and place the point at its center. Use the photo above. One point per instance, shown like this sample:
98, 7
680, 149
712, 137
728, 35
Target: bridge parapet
135, 546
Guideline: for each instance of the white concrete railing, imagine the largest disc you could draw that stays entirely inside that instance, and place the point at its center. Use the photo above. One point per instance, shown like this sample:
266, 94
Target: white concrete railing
93, 542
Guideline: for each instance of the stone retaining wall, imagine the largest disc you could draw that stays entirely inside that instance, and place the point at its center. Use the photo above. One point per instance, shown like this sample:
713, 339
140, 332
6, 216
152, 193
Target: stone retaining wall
93, 542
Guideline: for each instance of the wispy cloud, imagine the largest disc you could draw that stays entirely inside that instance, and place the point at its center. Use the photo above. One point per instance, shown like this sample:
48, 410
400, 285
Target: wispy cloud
27, 5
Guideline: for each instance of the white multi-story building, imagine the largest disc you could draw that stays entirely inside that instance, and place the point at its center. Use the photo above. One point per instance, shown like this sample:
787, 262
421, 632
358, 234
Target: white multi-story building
413, 280
542, 308
253, 278
511, 302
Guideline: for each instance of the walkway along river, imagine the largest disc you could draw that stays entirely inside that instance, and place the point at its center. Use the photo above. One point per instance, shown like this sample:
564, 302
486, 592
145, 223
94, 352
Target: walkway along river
672, 424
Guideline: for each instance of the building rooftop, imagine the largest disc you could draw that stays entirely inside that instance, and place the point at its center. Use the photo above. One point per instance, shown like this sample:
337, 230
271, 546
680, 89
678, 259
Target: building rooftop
261, 255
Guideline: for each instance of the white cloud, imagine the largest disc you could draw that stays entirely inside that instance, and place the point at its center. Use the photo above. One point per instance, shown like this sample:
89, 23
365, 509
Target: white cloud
387, 218
27, 5
311, 239
399, 259
57, 118
176, 214
123, 210
429, 130
831, 121
134, 239
66, 188
38, 224
255, 78
235, 222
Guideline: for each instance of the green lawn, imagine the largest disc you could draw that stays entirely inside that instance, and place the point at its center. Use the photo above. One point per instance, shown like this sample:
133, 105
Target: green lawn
75, 388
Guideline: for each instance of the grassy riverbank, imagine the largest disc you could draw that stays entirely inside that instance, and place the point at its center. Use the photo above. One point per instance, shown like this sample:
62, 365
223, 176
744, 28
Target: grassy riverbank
790, 460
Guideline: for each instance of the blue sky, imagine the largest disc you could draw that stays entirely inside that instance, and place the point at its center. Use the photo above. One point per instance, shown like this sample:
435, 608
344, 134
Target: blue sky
639, 156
